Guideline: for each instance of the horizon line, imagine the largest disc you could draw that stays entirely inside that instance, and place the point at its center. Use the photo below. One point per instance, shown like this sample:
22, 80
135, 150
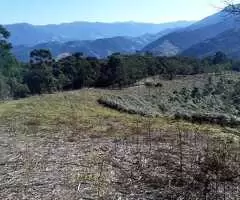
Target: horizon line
103, 22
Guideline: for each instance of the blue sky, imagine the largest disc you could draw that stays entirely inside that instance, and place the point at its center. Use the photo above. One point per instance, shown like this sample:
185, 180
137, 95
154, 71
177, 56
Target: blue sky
58, 11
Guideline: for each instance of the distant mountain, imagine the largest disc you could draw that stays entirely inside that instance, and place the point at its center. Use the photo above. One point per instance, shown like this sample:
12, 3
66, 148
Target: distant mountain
227, 42
148, 38
30, 35
180, 40
26, 34
97, 48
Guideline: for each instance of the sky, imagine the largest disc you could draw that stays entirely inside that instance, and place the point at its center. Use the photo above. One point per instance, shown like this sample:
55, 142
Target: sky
41, 12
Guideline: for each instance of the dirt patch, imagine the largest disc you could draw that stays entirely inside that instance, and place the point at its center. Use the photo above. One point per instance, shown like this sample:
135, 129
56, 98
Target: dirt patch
148, 164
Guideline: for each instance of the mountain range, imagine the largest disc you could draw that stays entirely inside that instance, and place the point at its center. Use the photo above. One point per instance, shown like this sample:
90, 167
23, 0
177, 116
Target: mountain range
194, 36
30, 35
227, 42
218, 32
97, 47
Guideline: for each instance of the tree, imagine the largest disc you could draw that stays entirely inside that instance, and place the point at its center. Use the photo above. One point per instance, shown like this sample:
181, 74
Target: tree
171, 69
232, 7
4, 88
4, 35
220, 58
18, 90
39, 77
10, 69
7, 61
113, 73
40, 56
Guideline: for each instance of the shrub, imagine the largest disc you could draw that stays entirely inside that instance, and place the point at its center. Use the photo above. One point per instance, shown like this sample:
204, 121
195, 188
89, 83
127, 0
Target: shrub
130, 104
153, 84
21, 91
220, 119
158, 84
4, 88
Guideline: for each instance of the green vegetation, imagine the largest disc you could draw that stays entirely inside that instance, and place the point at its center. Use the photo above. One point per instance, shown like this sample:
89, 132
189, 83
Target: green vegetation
68, 145
93, 152
44, 74
212, 98
131, 139
130, 104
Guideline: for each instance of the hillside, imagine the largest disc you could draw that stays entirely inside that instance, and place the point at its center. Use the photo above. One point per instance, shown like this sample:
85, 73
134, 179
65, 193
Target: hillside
66, 144
119, 110
178, 41
98, 48
198, 98
227, 42
27, 34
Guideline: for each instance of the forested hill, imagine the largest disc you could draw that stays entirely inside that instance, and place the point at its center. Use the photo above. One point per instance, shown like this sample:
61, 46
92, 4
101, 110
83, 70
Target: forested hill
97, 48
44, 74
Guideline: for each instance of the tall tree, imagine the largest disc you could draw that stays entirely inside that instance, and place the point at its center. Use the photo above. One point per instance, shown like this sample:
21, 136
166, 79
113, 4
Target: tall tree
4, 35
40, 77
7, 61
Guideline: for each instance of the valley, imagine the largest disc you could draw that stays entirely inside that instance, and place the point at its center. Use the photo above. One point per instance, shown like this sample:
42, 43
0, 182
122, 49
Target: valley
196, 39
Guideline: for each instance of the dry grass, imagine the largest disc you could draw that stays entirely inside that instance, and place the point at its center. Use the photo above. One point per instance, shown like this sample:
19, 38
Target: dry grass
67, 146
130, 104
175, 99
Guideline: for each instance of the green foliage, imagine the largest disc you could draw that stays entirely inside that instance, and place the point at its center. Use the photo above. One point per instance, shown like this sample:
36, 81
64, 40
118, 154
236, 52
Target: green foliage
4, 88
4, 35
45, 75
10, 69
221, 119
18, 90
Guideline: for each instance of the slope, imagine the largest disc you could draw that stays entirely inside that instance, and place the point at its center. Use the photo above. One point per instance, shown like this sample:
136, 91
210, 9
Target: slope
67, 145
97, 48
27, 34
227, 42
178, 41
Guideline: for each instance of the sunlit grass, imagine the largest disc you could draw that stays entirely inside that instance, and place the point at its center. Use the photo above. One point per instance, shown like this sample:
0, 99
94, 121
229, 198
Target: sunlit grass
80, 110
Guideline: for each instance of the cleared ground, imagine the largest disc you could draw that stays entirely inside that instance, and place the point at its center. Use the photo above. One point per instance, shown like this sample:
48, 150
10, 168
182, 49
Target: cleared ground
67, 146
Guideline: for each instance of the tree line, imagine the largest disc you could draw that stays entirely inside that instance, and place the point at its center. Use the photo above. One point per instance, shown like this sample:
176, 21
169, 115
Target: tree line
44, 74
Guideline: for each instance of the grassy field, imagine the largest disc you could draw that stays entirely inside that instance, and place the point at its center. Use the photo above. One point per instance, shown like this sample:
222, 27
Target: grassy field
80, 110
68, 146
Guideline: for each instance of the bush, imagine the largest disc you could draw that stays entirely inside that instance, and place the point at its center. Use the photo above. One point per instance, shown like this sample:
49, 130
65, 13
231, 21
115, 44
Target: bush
220, 119
130, 104
21, 91
153, 84
158, 84
4, 89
